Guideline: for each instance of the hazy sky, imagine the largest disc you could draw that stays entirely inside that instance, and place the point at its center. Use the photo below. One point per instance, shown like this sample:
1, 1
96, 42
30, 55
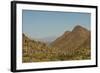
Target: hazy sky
40, 24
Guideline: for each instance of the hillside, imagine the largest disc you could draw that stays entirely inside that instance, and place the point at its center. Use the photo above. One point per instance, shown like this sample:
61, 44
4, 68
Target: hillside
36, 51
74, 42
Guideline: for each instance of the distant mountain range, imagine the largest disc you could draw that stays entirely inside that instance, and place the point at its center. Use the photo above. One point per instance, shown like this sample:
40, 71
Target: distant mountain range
72, 45
48, 40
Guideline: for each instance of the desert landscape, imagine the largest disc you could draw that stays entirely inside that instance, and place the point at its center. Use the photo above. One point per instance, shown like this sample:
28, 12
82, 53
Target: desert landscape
71, 45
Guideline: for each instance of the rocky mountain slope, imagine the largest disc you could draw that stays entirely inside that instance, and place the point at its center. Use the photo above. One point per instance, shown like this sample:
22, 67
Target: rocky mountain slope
72, 39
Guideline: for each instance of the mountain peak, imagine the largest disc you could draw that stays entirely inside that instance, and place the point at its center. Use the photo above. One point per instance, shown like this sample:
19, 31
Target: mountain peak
66, 32
79, 28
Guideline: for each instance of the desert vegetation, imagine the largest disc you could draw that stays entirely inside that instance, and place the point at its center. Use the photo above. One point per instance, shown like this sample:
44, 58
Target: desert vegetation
72, 45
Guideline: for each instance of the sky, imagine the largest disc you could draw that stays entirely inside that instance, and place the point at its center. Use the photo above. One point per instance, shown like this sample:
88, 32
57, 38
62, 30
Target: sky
41, 24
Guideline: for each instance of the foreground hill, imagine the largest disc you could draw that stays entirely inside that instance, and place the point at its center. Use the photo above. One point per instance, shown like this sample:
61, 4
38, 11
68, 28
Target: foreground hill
36, 51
